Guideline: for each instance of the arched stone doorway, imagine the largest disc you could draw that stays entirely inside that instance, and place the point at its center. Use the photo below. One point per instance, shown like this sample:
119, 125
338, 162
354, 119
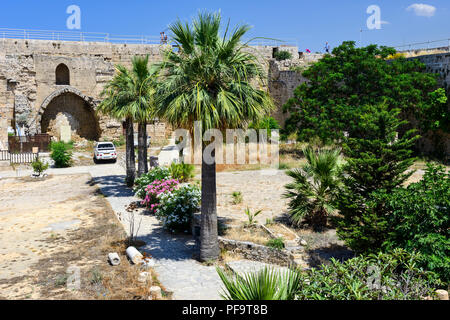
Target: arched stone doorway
69, 107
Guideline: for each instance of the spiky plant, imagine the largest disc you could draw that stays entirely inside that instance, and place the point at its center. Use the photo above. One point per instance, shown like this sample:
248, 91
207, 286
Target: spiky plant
315, 187
267, 284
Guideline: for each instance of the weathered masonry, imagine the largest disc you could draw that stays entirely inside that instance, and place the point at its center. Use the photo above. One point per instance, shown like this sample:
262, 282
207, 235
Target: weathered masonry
47, 84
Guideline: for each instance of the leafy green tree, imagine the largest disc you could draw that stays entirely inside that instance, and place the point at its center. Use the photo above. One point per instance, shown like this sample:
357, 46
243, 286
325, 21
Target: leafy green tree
376, 160
339, 84
419, 220
209, 79
315, 187
129, 95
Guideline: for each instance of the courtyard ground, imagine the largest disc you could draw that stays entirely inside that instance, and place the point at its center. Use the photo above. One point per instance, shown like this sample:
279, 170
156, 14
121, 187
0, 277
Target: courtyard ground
48, 225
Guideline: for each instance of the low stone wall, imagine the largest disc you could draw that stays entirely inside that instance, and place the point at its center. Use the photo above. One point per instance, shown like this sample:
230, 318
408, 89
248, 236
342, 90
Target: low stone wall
257, 252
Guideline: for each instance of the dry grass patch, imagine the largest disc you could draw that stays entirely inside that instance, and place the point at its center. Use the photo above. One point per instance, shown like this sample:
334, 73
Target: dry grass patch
253, 234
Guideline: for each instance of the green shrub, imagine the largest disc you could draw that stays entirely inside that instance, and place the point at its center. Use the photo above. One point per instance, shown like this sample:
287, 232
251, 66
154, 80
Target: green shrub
268, 123
61, 154
382, 276
176, 208
119, 142
237, 197
183, 172
276, 243
157, 173
282, 55
38, 166
376, 161
315, 187
419, 216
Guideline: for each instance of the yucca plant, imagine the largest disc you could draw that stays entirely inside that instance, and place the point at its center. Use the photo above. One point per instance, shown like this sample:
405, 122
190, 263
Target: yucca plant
315, 187
267, 284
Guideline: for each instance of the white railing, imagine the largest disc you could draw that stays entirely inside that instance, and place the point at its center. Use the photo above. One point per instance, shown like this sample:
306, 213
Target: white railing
6, 33
428, 45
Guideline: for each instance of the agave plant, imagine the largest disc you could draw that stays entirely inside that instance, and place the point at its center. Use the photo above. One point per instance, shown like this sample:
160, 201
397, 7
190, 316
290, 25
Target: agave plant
315, 187
267, 284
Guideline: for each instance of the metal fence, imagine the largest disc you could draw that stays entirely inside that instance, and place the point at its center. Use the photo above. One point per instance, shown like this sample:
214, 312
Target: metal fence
428, 45
7, 33
27, 34
24, 144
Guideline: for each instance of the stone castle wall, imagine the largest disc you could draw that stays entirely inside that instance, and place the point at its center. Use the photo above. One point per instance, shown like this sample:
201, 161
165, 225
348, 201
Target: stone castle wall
28, 79
29, 94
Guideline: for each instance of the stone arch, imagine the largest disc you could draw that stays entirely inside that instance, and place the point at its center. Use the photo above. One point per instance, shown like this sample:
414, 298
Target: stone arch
69, 106
62, 75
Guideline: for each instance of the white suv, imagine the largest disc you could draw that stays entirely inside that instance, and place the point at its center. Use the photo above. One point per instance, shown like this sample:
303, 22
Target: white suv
105, 151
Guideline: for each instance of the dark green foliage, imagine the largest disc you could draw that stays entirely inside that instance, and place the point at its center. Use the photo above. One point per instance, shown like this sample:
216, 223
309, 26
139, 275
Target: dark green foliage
276, 243
61, 154
183, 172
376, 161
282, 55
382, 276
339, 84
315, 187
419, 219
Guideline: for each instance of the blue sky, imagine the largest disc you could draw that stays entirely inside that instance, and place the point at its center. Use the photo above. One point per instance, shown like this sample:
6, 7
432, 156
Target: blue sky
310, 23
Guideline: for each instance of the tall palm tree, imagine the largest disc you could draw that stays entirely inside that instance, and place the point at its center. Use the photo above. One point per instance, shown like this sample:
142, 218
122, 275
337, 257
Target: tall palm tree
315, 187
208, 80
129, 95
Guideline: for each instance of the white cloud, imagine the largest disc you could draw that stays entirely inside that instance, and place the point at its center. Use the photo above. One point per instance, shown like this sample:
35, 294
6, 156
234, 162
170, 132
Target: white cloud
423, 10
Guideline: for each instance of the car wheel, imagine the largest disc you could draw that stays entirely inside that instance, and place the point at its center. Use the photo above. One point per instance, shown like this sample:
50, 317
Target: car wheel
95, 160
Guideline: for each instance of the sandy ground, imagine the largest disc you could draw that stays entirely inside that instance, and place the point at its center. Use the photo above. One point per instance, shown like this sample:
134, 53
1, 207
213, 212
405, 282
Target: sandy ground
49, 225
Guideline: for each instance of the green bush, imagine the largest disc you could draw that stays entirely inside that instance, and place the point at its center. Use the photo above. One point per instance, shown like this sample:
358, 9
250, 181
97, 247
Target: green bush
38, 166
157, 173
419, 216
282, 55
176, 208
61, 154
276, 243
268, 123
382, 276
315, 187
376, 161
181, 171
237, 197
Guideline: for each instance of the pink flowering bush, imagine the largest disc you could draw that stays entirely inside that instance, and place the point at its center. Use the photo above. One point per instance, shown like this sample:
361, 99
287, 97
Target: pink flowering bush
154, 189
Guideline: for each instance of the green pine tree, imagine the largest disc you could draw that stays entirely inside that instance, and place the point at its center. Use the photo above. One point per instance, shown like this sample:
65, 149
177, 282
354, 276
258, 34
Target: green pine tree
377, 160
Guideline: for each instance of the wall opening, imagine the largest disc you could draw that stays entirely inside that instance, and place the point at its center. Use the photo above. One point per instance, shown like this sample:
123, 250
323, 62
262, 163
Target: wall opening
62, 75
70, 110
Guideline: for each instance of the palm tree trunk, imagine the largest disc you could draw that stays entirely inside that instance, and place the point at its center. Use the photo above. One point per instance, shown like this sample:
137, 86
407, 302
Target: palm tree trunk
130, 158
142, 149
209, 243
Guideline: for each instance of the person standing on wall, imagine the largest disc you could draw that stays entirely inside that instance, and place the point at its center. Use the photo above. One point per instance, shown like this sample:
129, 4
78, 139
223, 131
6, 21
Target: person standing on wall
327, 47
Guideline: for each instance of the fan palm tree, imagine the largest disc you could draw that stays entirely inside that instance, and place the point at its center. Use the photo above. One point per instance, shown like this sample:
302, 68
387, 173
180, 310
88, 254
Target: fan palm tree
129, 95
208, 80
315, 187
